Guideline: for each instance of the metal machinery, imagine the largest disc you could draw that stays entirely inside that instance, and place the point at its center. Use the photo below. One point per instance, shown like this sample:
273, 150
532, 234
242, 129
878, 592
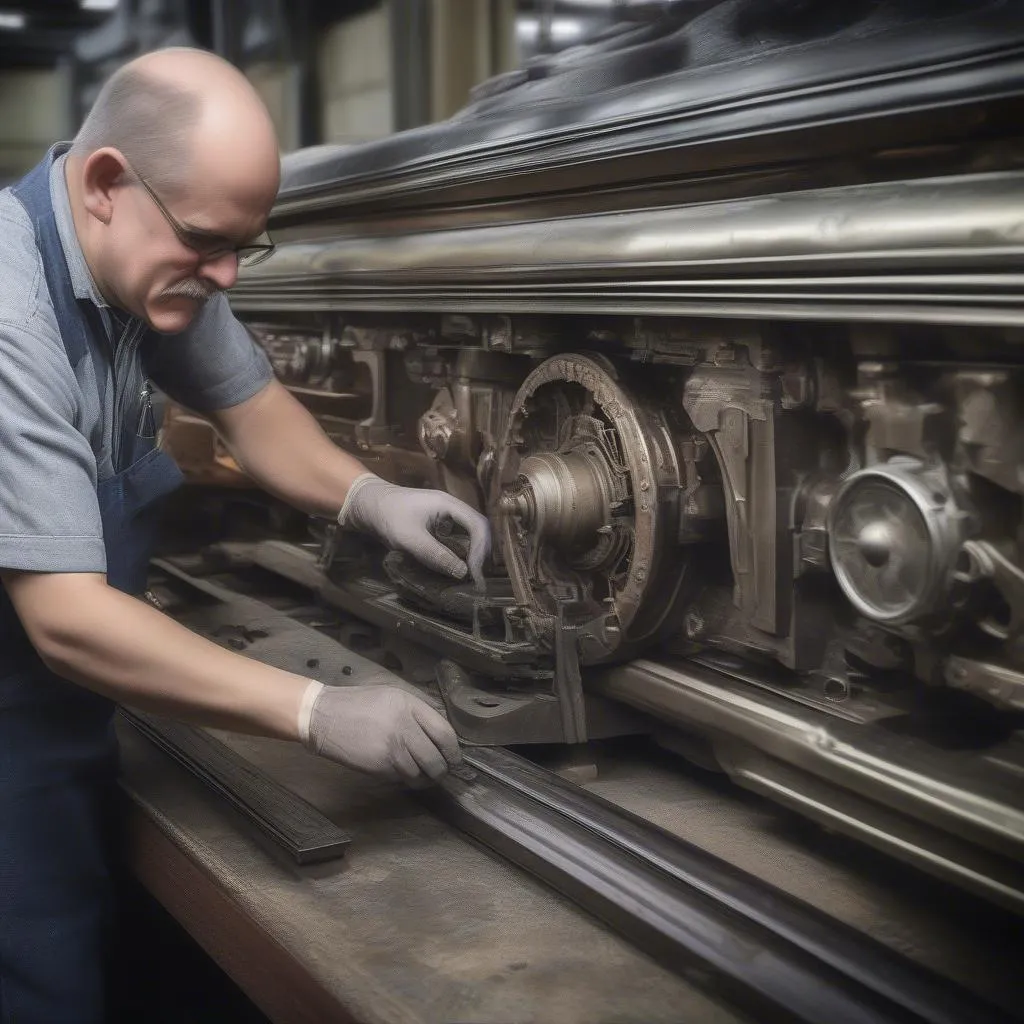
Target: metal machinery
719, 319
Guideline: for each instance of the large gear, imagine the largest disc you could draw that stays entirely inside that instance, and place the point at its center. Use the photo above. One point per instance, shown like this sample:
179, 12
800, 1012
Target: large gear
587, 506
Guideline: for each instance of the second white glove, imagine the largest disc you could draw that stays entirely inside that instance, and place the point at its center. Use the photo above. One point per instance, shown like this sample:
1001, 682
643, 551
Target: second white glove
381, 730
407, 518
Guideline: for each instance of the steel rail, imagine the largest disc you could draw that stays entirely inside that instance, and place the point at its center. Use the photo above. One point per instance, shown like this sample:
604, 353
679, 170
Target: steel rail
773, 956
961, 818
292, 824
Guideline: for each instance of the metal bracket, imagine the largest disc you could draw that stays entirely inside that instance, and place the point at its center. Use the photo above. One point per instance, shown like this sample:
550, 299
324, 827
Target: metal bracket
569, 680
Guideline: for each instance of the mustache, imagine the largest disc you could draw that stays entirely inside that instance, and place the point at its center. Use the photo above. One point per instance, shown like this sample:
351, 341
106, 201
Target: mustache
190, 289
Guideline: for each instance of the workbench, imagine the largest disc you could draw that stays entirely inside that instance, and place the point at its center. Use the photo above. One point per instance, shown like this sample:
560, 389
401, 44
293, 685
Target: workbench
418, 923
415, 923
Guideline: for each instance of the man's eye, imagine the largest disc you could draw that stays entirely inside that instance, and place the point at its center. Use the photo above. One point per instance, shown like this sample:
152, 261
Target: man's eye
201, 243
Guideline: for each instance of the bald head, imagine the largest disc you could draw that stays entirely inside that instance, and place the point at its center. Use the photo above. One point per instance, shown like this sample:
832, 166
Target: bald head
178, 114
173, 173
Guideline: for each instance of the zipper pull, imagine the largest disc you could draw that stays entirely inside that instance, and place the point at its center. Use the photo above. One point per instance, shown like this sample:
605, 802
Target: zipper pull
147, 423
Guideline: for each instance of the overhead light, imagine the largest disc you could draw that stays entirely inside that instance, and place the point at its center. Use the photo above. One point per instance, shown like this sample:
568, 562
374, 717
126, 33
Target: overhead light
527, 28
562, 29
97, 5
12, 21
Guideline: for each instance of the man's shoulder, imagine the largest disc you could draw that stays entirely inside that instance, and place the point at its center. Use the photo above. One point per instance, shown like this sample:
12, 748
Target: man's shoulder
22, 283
30, 341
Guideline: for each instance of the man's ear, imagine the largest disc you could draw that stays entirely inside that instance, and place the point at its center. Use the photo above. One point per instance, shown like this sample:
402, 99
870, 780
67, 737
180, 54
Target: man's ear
103, 172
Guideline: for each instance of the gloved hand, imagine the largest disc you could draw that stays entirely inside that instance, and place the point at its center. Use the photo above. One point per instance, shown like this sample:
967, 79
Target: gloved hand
403, 518
381, 730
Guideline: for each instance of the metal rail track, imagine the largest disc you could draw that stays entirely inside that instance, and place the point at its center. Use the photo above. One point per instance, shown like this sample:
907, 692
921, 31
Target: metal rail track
769, 954
773, 956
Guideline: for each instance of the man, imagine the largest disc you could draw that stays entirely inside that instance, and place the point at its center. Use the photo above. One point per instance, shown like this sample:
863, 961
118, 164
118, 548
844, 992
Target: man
114, 256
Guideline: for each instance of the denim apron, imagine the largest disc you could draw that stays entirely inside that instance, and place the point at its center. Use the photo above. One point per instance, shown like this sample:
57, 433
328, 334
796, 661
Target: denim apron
58, 752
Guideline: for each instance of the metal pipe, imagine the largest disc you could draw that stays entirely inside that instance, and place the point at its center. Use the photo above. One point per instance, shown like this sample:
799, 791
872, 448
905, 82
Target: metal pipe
962, 820
870, 229
897, 249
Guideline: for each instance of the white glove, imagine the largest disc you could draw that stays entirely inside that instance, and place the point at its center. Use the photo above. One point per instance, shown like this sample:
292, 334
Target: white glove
378, 729
405, 518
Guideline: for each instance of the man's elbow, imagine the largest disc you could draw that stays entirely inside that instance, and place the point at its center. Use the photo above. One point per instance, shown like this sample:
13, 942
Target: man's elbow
57, 612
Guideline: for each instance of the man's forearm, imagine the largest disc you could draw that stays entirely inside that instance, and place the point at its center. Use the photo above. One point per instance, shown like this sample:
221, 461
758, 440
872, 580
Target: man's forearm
116, 645
282, 447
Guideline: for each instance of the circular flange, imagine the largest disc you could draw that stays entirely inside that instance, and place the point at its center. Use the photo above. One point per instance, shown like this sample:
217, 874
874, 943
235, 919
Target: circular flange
585, 502
894, 533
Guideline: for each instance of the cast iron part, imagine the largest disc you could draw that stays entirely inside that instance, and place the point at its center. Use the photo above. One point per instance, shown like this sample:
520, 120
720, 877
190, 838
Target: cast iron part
774, 956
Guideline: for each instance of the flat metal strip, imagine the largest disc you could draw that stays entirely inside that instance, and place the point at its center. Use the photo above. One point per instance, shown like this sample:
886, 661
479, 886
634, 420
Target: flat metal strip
290, 822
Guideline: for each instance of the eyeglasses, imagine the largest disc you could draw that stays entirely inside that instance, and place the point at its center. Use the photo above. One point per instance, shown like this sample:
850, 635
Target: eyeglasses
212, 248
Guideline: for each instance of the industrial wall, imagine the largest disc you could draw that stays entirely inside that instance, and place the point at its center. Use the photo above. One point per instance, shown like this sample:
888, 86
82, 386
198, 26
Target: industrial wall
33, 115
341, 72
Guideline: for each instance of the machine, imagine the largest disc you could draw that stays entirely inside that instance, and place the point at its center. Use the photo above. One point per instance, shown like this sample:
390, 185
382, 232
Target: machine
718, 318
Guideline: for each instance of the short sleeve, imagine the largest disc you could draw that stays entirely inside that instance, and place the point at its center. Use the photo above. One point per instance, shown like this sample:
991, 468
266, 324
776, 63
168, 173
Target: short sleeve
214, 364
49, 513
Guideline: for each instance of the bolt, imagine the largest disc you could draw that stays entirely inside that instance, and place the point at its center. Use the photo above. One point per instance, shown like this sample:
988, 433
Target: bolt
836, 689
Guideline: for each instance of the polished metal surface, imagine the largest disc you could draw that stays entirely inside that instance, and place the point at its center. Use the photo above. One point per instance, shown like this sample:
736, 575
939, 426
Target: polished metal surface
564, 498
957, 815
853, 252
894, 535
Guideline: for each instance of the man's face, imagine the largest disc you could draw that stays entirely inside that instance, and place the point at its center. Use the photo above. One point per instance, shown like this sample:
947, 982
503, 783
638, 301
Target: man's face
168, 255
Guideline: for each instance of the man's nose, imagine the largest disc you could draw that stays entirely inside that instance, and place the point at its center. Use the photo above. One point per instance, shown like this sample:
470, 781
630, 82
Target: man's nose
223, 271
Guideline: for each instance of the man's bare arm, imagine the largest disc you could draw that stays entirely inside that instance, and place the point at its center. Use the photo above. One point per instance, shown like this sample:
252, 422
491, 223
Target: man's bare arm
285, 451
94, 635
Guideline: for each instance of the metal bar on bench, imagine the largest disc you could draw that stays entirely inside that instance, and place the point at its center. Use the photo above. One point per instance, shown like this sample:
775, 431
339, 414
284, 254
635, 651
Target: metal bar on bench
290, 822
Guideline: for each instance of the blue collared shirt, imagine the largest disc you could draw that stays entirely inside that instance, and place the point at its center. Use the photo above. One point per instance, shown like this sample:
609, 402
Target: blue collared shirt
56, 421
